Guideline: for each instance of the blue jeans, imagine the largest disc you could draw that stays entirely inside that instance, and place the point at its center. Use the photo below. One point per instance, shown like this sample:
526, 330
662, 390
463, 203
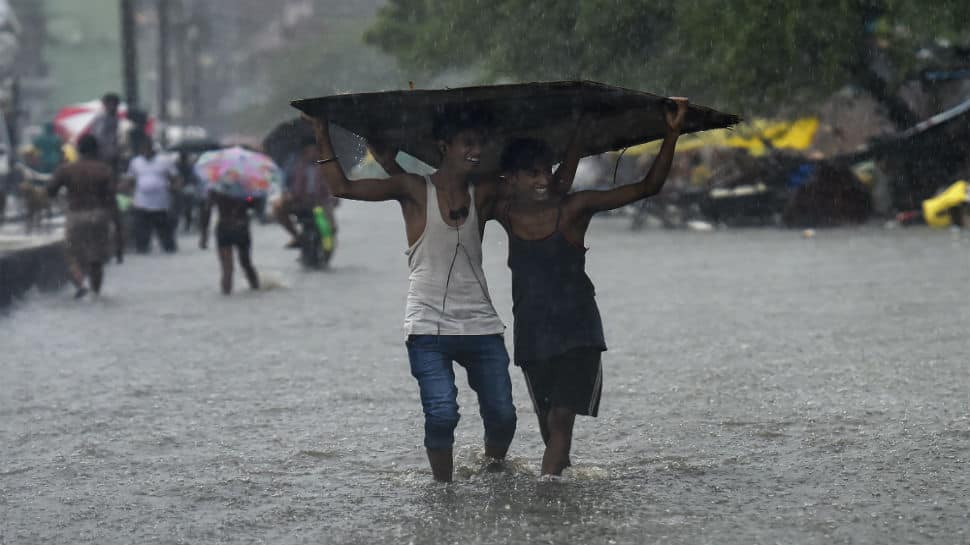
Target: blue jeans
487, 363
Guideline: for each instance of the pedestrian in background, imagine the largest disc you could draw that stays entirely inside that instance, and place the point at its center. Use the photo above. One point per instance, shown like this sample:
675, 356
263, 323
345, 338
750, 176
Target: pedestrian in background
188, 196
104, 128
91, 209
50, 154
232, 231
154, 177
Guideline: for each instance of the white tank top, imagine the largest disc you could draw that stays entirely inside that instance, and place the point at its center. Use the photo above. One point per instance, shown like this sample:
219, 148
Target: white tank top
448, 294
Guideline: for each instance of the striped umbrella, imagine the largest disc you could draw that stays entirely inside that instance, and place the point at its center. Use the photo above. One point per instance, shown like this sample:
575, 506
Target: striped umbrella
75, 120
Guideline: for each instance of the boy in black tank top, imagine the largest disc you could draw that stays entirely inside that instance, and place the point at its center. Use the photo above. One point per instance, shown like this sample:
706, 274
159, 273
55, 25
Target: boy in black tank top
558, 334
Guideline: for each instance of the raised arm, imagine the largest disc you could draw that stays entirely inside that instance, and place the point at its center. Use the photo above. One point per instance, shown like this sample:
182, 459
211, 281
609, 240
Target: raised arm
370, 189
566, 173
651, 184
488, 193
386, 157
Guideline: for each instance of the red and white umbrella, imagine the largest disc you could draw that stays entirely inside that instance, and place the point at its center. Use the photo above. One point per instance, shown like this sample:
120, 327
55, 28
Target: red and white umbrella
73, 121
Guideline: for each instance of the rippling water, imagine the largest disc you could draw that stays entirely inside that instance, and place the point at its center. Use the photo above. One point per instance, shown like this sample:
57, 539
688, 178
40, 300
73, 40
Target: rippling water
760, 388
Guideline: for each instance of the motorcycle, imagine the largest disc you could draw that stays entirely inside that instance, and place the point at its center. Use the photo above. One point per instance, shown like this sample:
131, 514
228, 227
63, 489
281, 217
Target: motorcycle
317, 238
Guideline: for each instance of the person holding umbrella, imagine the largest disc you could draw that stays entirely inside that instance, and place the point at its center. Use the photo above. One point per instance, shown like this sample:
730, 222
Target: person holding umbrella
234, 179
558, 332
232, 231
449, 316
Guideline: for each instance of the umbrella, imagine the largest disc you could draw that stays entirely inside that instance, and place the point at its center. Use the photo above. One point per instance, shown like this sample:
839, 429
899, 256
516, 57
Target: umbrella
72, 121
291, 136
238, 172
618, 117
195, 145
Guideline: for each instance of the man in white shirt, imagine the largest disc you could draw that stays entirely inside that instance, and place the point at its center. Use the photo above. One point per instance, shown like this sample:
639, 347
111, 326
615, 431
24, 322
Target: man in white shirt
154, 177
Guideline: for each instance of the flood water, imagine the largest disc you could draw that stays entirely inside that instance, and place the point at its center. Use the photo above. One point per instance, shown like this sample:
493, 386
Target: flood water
760, 387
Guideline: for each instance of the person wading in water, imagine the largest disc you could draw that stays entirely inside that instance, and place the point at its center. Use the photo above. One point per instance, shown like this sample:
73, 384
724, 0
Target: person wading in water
91, 209
449, 317
558, 333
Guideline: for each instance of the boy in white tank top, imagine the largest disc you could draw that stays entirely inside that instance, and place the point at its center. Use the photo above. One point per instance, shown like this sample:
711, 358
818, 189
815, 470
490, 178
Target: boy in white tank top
449, 316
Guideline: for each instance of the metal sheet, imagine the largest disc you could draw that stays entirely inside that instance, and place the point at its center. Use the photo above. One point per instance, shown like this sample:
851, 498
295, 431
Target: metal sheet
550, 110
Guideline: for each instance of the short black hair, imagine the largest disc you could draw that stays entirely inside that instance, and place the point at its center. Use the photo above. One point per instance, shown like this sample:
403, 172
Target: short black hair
87, 145
111, 97
524, 153
451, 119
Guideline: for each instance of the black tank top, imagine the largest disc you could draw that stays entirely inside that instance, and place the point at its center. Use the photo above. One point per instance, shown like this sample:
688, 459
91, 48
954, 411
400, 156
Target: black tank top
553, 300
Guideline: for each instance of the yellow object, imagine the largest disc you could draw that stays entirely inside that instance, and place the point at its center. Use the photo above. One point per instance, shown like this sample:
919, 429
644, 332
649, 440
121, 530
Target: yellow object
796, 135
70, 153
936, 210
865, 172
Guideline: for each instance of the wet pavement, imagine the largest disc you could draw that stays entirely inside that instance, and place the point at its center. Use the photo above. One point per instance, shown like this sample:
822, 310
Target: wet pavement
759, 388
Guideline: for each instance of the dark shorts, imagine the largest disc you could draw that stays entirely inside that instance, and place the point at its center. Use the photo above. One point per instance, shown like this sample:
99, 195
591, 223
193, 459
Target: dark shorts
573, 380
233, 235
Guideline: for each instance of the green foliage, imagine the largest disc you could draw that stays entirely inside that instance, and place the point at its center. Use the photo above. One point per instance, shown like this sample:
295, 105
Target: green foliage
331, 61
749, 54
946, 19
540, 39
759, 52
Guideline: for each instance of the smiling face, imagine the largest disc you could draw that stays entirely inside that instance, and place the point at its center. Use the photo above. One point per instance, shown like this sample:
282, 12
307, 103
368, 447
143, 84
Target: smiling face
461, 133
463, 152
534, 182
527, 164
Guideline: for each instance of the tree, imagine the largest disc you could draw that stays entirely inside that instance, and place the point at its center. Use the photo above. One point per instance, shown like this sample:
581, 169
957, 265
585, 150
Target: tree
748, 54
523, 39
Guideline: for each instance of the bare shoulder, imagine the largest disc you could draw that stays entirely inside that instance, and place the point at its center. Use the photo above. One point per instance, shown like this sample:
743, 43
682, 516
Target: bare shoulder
489, 189
576, 200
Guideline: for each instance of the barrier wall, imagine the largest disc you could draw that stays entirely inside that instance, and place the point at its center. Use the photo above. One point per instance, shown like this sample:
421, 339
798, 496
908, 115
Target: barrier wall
42, 266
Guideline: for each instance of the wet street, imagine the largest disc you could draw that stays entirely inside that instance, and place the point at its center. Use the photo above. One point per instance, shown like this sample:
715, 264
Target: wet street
760, 387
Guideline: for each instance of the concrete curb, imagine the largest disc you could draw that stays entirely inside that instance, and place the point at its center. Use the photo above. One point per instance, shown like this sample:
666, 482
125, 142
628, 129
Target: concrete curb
41, 265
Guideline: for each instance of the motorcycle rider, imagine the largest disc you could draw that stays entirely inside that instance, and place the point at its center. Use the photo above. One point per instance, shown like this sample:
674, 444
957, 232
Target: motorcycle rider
305, 188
